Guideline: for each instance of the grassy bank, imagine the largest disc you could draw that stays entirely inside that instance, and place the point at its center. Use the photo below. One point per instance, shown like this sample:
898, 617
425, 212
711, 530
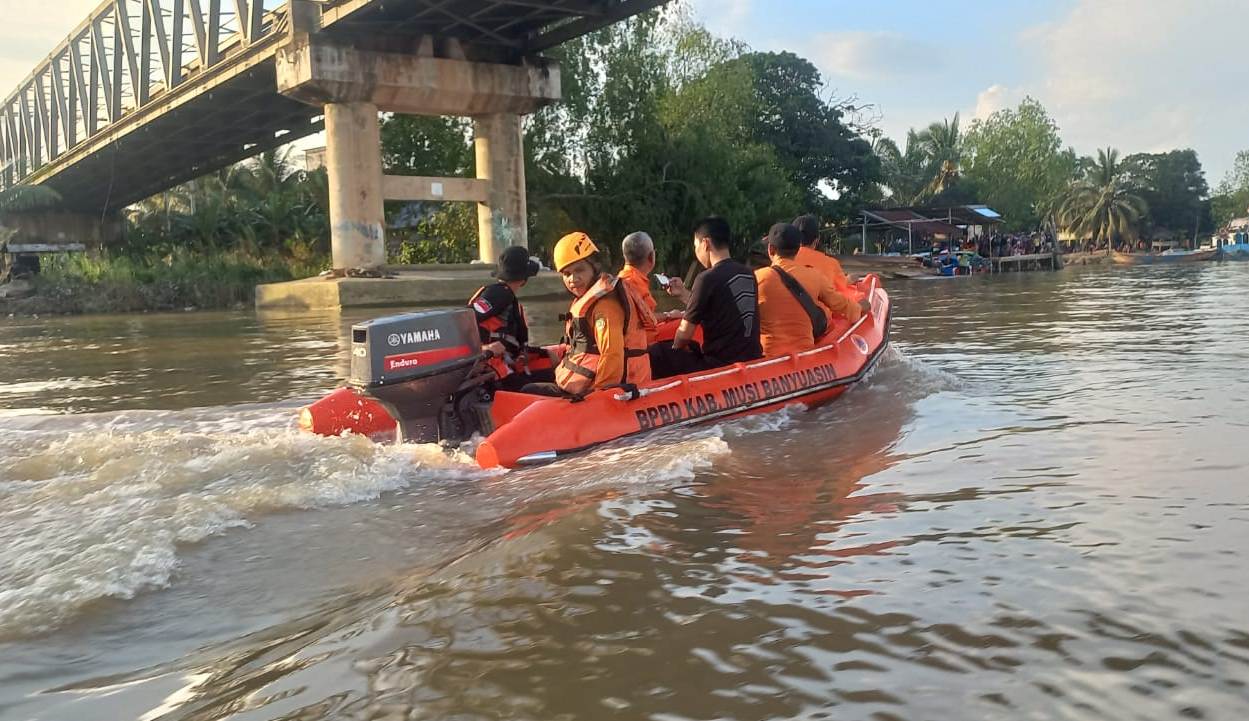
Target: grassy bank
115, 283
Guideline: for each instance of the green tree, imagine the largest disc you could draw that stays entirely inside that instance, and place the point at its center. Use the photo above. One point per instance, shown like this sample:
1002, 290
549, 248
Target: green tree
1232, 199
24, 198
904, 173
809, 135
1173, 185
1016, 157
426, 145
942, 143
426, 231
1101, 205
662, 138
663, 122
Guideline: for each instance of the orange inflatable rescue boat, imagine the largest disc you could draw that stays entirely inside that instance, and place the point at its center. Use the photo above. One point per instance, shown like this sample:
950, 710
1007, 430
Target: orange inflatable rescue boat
420, 377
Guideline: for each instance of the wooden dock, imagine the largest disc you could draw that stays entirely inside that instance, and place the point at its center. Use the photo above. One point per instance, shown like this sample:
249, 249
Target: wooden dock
1035, 261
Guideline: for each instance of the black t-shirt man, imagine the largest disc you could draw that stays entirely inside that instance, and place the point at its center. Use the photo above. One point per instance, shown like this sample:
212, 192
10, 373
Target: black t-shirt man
725, 301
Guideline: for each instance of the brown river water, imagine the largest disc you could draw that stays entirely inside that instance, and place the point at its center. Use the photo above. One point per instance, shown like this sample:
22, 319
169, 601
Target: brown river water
1036, 507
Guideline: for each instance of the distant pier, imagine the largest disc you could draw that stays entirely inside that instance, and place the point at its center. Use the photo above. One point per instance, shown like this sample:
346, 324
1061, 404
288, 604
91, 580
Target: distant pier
1033, 261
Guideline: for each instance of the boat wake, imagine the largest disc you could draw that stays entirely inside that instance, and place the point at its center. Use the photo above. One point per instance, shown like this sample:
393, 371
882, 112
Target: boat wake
100, 512
98, 506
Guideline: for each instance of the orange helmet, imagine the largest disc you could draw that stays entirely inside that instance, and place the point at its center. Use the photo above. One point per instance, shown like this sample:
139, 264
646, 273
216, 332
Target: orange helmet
572, 248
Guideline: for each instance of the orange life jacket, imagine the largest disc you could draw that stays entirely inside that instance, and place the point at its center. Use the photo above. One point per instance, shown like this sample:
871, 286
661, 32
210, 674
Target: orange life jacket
578, 370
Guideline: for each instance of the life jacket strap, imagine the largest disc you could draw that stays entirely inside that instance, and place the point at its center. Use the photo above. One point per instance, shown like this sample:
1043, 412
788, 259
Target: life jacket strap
819, 322
569, 364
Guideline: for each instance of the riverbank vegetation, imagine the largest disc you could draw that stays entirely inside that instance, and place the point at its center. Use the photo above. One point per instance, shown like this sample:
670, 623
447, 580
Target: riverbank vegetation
1016, 162
661, 122
182, 280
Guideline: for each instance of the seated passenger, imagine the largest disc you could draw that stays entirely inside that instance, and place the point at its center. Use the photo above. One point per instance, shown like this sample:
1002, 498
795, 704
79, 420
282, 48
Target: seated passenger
723, 301
504, 326
795, 301
605, 335
639, 256
810, 255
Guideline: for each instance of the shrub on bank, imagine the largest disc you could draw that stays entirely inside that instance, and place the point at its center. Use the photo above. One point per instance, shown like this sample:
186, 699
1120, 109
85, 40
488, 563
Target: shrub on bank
116, 283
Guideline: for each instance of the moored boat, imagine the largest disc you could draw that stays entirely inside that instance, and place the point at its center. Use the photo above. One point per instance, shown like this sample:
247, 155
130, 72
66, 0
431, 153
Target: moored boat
1234, 251
1168, 257
420, 395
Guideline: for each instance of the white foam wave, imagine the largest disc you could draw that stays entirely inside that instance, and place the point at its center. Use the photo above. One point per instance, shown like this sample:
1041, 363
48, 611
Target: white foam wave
931, 376
101, 514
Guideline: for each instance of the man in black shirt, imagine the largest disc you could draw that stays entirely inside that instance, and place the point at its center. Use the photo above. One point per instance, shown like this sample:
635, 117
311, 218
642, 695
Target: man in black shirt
724, 301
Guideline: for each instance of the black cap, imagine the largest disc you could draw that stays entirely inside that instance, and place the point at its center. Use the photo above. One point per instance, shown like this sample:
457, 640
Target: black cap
785, 237
515, 264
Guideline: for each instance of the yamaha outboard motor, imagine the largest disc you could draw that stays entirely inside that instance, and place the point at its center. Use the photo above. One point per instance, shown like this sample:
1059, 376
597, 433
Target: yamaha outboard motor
419, 366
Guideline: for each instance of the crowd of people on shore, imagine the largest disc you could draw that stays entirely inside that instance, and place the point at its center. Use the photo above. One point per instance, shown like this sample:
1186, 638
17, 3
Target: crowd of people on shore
612, 335
1002, 245
993, 245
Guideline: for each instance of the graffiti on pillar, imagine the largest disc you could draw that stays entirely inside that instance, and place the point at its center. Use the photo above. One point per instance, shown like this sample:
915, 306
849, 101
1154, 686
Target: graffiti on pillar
370, 231
504, 232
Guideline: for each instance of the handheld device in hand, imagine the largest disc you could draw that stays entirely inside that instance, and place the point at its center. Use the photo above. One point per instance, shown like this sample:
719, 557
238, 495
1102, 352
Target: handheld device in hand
664, 280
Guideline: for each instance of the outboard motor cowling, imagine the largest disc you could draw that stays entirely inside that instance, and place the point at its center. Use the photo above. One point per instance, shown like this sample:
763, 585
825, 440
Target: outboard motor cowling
414, 363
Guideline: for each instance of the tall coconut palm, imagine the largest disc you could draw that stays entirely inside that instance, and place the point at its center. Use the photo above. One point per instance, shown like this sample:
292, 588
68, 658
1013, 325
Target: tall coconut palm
942, 143
1106, 168
21, 198
24, 198
1101, 205
905, 171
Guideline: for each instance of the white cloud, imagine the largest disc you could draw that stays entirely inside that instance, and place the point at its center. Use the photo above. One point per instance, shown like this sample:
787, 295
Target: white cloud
27, 35
1148, 76
863, 55
994, 98
724, 17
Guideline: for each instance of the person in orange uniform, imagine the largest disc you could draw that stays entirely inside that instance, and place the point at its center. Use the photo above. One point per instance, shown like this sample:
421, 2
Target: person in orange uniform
605, 336
809, 254
796, 301
639, 256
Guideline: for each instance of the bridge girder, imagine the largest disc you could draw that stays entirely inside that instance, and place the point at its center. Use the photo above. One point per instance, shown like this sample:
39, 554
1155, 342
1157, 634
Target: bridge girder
145, 94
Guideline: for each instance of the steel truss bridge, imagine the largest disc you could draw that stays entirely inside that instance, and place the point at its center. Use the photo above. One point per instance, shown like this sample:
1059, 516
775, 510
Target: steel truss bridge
146, 94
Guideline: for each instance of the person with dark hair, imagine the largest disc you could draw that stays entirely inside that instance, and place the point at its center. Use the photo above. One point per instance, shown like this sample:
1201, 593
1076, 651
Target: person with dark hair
503, 325
605, 336
724, 301
809, 254
796, 302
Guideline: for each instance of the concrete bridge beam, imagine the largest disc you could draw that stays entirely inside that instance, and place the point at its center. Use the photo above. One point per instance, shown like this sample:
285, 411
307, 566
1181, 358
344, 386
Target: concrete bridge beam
354, 163
353, 82
503, 219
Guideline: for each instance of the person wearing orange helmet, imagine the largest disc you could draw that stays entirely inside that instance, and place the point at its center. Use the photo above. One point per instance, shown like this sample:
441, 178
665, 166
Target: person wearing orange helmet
605, 336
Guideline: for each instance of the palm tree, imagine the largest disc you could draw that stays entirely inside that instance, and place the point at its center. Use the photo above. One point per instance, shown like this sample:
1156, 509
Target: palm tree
20, 198
24, 198
905, 172
1101, 205
942, 144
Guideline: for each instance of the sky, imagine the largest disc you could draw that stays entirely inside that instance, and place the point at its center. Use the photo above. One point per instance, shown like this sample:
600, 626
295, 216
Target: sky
1138, 75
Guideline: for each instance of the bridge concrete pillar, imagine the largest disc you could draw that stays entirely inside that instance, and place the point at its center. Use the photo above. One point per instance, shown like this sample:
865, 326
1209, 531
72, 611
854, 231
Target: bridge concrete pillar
502, 220
316, 69
353, 160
